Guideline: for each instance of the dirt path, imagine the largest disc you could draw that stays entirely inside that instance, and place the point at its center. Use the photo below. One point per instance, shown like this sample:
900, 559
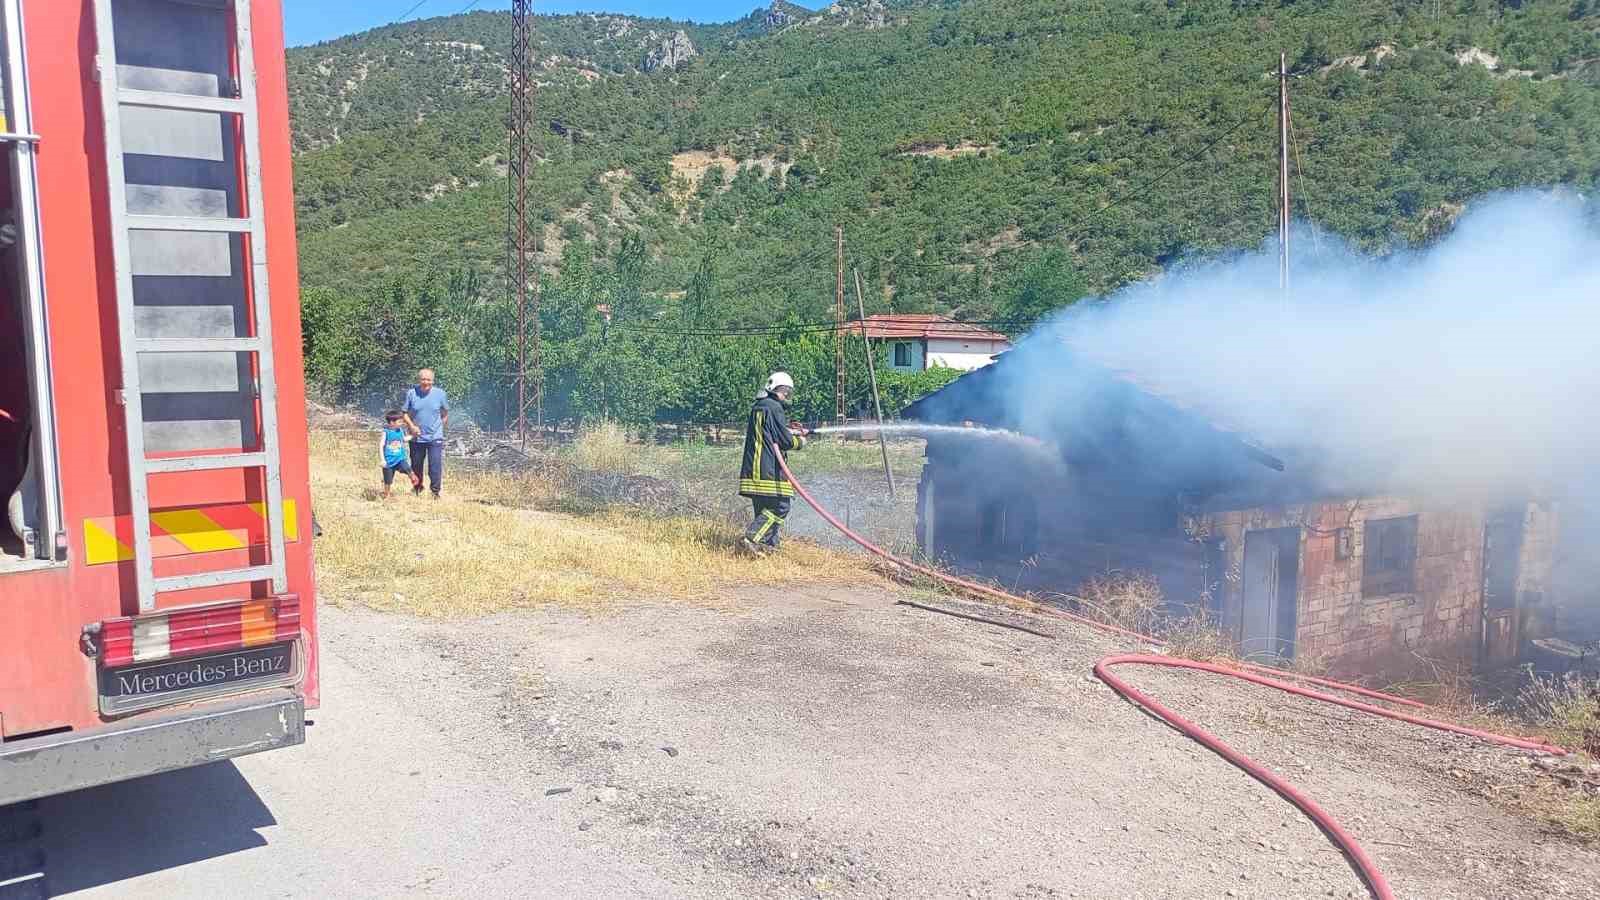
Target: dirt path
381, 802
834, 744
787, 744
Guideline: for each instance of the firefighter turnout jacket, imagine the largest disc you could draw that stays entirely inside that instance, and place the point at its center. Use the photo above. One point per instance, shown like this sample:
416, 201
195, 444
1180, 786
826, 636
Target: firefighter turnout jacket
768, 428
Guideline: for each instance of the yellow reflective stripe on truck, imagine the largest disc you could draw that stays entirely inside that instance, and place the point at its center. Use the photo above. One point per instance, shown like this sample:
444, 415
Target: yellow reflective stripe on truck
185, 530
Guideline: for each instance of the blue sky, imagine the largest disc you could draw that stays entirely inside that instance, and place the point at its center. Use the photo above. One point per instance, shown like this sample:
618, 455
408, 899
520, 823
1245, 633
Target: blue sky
309, 21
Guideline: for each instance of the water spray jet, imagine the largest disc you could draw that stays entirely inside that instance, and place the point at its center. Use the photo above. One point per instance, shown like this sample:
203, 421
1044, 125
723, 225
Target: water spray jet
974, 432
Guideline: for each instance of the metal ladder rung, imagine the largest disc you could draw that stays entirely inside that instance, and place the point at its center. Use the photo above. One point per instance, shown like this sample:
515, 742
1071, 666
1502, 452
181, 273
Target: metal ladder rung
186, 102
212, 579
206, 463
198, 345
188, 223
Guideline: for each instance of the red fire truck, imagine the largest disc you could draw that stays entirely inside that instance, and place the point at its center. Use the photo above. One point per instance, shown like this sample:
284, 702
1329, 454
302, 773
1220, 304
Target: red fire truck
156, 597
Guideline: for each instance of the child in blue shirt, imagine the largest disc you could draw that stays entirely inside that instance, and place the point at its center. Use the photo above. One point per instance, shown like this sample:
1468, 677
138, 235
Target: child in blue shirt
396, 457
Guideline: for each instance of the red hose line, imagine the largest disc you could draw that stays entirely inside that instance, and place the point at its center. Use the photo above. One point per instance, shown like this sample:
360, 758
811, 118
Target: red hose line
972, 586
1336, 685
1490, 737
1004, 596
1363, 864
1360, 860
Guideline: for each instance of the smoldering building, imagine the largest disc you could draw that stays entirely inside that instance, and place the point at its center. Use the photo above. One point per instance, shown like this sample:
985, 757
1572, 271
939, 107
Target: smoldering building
1289, 560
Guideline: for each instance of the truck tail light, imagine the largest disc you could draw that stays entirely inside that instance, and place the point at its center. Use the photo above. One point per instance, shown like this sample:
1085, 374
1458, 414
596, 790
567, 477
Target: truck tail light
198, 630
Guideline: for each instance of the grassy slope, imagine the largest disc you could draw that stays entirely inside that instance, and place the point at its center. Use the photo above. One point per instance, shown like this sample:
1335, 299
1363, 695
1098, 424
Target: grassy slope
1075, 104
501, 542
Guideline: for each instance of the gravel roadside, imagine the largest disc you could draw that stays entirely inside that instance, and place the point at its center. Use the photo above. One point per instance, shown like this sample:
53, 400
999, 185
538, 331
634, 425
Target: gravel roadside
831, 743
805, 742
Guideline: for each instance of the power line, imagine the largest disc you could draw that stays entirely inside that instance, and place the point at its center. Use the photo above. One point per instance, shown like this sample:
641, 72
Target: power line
1305, 202
824, 327
405, 15
1083, 224
780, 330
421, 3
831, 328
1168, 172
751, 331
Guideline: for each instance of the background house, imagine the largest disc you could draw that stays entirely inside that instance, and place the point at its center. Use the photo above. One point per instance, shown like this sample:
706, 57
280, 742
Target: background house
911, 343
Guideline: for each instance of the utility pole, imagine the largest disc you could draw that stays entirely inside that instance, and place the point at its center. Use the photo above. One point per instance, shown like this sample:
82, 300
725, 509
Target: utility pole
872, 373
605, 339
1283, 173
530, 363
838, 329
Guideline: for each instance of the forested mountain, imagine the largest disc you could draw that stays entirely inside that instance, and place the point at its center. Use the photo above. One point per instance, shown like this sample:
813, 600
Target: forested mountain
987, 158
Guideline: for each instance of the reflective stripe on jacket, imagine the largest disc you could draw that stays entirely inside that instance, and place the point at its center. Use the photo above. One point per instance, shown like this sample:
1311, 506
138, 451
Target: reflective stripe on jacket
768, 427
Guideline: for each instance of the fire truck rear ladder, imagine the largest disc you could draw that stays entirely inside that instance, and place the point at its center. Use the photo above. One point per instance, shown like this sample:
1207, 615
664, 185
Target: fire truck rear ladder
114, 98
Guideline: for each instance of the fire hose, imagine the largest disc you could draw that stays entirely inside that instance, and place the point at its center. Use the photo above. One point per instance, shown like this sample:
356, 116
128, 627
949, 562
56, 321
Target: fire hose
1360, 861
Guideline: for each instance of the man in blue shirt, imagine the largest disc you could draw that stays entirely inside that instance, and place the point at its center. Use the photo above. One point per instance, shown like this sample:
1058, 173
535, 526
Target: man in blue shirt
427, 411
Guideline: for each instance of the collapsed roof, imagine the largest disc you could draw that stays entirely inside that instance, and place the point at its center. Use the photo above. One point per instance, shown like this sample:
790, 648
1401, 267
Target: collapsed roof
1105, 419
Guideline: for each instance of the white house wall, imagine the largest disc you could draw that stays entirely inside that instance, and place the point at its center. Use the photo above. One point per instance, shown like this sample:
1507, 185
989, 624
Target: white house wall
963, 355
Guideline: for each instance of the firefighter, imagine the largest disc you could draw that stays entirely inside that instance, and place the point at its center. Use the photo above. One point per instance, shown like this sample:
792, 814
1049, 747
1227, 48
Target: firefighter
765, 435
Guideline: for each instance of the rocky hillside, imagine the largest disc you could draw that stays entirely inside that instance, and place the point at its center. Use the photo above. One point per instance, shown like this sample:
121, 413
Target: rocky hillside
986, 157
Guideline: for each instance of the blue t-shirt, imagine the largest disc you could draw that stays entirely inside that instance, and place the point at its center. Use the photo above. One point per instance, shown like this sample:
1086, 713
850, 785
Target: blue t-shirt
394, 447
427, 410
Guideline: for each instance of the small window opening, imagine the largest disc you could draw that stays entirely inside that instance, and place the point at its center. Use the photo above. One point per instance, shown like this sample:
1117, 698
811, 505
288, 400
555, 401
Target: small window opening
1389, 557
29, 505
19, 536
902, 355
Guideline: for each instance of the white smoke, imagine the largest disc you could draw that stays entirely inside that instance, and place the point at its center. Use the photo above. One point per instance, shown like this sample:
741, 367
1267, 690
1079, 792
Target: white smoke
1470, 366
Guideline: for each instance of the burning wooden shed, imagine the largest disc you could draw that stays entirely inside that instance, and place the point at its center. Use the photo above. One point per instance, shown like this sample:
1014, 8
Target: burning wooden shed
1134, 477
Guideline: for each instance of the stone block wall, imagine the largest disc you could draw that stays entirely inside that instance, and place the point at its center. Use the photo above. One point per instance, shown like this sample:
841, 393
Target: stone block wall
1336, 622
1078, 533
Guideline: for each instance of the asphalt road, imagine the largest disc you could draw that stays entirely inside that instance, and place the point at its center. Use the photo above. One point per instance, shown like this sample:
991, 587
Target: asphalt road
378, 803
802, 742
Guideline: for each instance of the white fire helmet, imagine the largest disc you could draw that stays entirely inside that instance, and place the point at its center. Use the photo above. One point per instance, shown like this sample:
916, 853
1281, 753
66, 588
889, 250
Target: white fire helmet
778, 380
